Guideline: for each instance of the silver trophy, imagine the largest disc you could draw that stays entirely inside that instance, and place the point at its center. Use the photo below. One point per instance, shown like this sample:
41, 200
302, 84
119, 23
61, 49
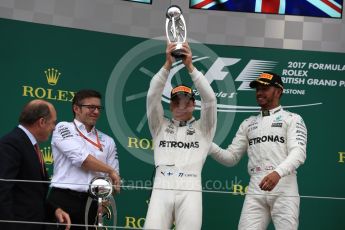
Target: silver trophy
175, 29
101, 188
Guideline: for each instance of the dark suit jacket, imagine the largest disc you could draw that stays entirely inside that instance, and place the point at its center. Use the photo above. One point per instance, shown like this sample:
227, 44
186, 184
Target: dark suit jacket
21, 201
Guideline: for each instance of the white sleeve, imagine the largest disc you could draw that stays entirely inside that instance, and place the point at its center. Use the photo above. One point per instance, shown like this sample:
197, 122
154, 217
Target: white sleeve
155, 113
112, 157
208, 114
296, 146
69, 144
233, 154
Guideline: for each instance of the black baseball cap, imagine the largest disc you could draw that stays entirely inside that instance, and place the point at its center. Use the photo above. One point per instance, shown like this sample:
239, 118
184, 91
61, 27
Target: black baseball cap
182, 90
268, 78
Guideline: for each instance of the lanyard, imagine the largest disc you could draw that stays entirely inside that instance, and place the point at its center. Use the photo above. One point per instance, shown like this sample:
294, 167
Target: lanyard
98, 144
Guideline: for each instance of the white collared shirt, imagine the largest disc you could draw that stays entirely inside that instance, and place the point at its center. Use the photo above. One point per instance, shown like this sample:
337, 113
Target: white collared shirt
70, 150
27, 132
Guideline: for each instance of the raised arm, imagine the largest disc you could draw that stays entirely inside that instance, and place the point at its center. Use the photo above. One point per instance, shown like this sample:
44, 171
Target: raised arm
208, 113
155, 113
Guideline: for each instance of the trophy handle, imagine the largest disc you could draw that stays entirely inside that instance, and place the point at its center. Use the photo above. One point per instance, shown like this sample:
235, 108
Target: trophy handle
100, 212
166, 29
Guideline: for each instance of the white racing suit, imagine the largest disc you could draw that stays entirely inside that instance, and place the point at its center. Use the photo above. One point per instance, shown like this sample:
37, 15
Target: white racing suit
180, 150
276, 142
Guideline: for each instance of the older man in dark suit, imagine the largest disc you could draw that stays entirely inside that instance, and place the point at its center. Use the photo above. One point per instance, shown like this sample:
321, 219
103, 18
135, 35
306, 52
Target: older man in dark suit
21, 159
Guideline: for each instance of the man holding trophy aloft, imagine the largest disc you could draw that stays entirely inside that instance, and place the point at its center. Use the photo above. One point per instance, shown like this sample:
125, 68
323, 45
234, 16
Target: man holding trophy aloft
181, 143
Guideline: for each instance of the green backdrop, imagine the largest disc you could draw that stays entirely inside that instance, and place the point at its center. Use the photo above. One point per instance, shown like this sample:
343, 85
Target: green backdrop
121, 68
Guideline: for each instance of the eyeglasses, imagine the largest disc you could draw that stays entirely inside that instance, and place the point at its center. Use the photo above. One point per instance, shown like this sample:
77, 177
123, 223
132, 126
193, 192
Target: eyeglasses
93, 107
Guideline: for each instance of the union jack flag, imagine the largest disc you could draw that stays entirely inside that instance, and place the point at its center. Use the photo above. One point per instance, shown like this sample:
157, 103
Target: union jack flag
317, 8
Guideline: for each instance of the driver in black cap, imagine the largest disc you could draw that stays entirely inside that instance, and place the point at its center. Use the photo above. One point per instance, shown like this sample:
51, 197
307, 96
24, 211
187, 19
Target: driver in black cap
275, 141
181, 146
269, 88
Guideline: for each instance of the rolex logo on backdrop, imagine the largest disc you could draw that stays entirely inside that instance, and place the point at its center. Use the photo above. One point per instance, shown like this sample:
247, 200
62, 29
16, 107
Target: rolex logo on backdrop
52, 76
48, 160
47, 155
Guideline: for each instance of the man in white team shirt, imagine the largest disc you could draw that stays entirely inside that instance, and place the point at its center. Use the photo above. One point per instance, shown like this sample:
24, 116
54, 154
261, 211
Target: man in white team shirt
181, 146
81, 152
275, 141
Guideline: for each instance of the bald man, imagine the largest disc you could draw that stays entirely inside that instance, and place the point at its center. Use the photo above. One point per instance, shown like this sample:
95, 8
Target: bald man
21, 159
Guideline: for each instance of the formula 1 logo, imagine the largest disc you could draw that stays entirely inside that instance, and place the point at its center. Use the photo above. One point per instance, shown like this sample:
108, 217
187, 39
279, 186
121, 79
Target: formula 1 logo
219, 71
252, 70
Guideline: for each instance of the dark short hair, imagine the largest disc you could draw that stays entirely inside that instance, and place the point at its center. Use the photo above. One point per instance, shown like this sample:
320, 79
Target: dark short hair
32, 112
82, 94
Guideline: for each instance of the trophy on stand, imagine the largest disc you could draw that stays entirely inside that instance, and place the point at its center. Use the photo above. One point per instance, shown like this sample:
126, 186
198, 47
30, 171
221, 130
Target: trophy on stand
101, 189
175, 29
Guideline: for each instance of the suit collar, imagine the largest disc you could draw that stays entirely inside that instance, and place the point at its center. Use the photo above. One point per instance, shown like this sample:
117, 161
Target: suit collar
265, 113
30, 136
182, 123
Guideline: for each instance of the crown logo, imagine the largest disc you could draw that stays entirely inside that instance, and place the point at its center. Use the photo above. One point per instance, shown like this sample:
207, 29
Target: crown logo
52, 76
47, 155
